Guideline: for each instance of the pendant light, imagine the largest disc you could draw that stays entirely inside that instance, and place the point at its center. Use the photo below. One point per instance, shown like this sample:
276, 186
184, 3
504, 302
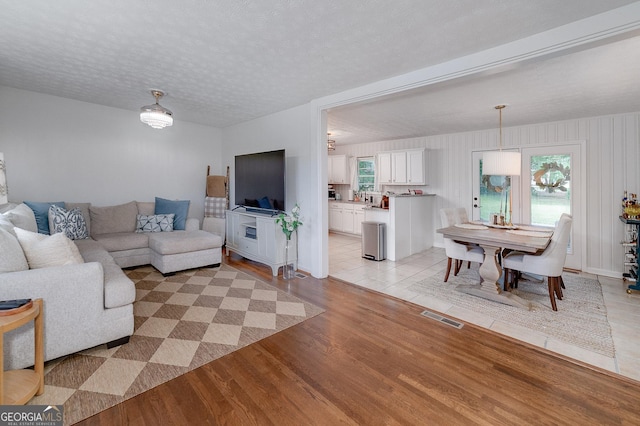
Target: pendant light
501, 163
155, 115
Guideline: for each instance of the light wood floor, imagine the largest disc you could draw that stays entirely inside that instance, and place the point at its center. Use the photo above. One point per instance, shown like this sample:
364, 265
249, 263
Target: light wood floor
371, 359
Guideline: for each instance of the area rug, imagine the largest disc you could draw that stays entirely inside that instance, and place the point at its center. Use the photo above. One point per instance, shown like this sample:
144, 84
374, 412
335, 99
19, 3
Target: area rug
581, 319
181, 322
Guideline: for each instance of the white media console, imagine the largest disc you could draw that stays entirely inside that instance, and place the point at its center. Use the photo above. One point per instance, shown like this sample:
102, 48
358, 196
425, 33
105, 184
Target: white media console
258, 237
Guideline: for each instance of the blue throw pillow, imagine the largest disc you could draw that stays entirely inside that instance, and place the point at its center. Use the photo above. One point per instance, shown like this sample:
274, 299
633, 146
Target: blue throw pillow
264, 203
41, 211
180, 208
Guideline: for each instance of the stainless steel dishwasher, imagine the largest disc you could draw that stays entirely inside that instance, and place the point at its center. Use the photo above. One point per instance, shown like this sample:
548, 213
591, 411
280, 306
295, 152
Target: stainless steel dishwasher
373, 241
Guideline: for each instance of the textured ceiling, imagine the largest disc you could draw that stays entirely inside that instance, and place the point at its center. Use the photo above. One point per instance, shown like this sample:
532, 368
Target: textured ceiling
225, 62
598, 81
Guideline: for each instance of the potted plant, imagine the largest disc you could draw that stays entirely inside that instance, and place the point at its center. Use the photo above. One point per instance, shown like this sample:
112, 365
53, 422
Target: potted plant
289, 224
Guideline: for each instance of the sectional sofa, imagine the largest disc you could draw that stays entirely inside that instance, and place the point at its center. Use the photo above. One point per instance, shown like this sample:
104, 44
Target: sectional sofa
88, 299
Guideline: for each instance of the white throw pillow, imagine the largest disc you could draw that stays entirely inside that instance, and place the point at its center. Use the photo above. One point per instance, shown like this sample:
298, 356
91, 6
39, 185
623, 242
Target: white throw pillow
43, 251
11, 255
23, 217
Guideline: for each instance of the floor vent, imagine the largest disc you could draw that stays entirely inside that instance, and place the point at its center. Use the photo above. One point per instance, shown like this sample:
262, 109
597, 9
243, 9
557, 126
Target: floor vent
300, 275
442, 319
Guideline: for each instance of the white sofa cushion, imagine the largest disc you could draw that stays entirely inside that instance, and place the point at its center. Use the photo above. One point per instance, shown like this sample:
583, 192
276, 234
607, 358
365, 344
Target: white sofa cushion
118, 288
11, 257
183, 242
43, 251
123, 241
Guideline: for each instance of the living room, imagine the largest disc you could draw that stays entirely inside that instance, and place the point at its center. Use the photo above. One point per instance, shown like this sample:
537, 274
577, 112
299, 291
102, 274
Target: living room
97, 151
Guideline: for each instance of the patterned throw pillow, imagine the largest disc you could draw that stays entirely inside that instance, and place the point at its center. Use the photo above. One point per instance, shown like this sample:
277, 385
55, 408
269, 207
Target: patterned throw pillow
155, 223
69, 222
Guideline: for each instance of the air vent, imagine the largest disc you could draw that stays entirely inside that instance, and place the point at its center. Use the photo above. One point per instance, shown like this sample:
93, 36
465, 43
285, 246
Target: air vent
442, 319
300, 275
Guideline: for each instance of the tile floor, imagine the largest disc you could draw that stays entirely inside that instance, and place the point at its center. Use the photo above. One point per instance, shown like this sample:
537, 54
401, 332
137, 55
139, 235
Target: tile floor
394, 278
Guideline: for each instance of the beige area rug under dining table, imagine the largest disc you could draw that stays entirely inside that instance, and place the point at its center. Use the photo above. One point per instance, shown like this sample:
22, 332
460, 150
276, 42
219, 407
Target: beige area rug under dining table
181, 322
581, 319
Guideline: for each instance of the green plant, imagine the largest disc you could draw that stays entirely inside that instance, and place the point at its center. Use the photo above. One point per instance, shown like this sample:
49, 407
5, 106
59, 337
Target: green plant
290, 223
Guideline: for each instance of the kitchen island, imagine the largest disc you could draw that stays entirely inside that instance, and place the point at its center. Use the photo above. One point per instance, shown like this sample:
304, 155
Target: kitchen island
409, 224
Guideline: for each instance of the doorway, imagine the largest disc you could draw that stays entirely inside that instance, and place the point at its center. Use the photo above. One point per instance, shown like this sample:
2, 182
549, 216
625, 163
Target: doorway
550, 183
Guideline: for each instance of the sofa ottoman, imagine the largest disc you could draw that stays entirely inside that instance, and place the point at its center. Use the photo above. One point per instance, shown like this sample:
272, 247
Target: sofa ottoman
177, 251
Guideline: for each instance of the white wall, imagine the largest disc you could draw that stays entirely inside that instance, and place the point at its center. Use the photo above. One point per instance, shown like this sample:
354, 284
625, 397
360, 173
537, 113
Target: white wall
61, 149
288, 130
613, 156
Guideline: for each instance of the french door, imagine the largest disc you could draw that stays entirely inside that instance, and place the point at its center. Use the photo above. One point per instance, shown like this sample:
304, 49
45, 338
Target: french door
550, 183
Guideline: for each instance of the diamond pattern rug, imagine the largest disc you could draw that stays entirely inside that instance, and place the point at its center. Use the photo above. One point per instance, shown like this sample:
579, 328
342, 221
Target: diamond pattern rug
181, 322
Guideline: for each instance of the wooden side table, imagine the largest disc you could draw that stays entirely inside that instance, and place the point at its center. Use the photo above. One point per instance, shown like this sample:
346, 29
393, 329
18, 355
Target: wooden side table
19, 386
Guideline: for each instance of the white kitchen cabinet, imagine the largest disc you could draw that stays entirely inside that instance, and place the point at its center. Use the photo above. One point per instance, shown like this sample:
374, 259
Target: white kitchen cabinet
258, 237
338, 169
358, 218
346, 217
415, 167
401, 167
335, 217
384, 168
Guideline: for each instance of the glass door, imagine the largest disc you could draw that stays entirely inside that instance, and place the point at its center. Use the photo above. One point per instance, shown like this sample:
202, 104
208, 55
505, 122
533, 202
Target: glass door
550, 183
494, 194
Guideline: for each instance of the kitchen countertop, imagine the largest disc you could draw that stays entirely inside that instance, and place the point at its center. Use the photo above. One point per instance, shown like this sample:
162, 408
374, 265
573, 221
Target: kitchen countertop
411, 195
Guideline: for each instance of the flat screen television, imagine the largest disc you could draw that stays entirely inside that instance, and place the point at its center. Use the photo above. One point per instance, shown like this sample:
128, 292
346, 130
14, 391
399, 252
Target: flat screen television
260, 181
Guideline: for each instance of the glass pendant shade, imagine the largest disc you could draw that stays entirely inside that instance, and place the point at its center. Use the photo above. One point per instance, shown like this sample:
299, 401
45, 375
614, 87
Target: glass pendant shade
501, 163
156, 115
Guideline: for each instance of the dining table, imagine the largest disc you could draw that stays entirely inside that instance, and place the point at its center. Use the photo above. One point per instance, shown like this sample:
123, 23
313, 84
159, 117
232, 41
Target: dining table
493, 239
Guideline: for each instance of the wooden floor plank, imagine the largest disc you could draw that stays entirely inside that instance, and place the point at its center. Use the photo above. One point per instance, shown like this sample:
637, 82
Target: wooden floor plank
373, 359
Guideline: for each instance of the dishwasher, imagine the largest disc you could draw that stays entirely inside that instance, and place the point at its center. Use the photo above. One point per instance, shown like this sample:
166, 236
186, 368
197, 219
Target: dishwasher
373, 241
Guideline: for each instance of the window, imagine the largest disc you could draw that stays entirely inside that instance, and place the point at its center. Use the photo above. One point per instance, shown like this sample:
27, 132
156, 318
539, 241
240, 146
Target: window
366, 173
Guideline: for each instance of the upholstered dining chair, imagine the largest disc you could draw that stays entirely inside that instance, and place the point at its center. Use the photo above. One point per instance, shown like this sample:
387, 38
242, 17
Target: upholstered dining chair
548, 264
460, 252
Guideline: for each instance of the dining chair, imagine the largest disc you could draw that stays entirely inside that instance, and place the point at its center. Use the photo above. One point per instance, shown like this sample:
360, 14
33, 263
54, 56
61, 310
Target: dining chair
548, 264
460, 252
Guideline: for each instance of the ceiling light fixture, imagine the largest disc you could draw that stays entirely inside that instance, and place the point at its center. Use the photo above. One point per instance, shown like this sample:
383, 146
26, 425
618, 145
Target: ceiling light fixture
331, 144
501, 163
155, 115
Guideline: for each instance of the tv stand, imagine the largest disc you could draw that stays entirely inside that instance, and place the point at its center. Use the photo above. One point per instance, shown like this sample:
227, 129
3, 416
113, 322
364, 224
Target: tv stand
258, 237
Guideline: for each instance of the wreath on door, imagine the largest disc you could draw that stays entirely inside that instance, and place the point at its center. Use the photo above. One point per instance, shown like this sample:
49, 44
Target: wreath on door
495, 183
552, 177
